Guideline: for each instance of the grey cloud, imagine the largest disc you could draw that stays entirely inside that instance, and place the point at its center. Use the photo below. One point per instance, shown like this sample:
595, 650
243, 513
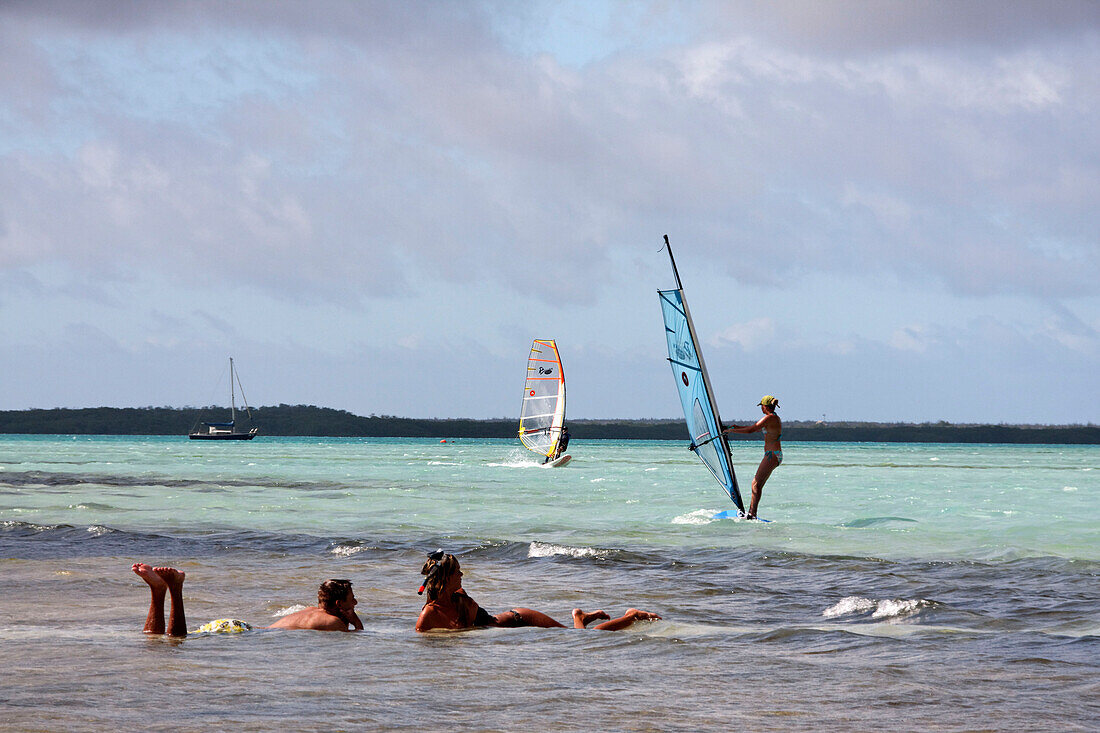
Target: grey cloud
845, 27
420, 145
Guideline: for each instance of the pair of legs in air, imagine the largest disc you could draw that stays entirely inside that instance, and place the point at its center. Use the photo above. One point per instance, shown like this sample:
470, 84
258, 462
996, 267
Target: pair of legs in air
163, 581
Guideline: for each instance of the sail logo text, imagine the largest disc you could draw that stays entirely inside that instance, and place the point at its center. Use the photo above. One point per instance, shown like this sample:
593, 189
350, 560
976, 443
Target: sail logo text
546, 370
683, 351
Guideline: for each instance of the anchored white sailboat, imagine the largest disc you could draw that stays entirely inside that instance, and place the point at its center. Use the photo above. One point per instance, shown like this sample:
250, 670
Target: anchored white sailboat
227, 430
542, 417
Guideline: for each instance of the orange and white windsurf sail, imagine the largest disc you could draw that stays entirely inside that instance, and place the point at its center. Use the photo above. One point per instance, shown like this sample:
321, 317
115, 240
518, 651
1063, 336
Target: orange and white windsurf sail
543, 411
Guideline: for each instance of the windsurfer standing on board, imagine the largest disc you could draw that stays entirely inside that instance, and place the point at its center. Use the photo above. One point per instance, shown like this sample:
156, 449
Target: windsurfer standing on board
773, 450
563, 442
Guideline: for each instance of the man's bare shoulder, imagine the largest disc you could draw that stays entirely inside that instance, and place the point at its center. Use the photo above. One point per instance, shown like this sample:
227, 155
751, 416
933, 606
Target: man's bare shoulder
313, 618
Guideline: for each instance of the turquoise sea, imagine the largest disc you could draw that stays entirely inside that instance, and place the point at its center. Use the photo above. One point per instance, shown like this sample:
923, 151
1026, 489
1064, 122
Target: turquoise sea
903, 586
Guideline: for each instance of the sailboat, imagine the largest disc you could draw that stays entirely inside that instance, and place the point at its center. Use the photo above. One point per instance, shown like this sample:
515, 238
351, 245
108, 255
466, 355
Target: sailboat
708, 441
227, 430
542, 415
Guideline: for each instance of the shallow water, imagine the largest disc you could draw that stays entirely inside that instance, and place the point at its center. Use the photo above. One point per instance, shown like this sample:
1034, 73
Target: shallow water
933, 586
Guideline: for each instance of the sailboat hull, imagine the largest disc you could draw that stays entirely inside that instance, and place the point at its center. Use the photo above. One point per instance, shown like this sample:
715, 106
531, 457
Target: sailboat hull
224, 436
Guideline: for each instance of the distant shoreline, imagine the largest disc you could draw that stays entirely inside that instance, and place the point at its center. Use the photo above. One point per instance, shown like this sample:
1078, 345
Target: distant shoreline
310, 421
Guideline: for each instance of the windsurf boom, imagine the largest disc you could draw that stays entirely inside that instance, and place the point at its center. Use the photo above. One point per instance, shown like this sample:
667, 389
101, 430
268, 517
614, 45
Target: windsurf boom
693, 383
543, 411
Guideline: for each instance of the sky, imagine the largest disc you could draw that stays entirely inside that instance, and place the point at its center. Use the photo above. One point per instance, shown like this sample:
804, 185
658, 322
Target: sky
882, 211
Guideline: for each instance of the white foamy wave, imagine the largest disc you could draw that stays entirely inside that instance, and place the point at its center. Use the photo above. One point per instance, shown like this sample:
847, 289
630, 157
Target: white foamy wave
855, 605
347, 550
545, 549
897, 608
515, 464
654, 468
11, 524
598, 480
289, 610
1069, 488
98, 530
699, 516
849, 605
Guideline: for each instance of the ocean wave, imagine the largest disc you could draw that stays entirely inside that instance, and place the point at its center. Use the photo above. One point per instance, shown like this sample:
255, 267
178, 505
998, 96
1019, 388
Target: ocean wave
875, 521
849, 605
699, 516
878, 610
28, 540
11, 524
347, 550
34, 479
545, 549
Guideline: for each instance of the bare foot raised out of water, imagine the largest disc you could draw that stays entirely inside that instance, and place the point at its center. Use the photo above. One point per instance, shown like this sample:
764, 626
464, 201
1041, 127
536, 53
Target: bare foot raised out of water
582, 619
173, 578
642, 615
148, 573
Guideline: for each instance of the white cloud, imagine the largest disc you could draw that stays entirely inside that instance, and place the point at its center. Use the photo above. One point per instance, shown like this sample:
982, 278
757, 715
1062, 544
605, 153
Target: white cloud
751, 335
356, 159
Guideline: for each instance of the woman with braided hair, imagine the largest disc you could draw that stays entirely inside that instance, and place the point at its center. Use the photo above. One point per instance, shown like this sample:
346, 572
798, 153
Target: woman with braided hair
449, 607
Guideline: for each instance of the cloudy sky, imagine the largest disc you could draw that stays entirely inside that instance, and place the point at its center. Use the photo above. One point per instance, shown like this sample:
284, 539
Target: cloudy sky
880, 210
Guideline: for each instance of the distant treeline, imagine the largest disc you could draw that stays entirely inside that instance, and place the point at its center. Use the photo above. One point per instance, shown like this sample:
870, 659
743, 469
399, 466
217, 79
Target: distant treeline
306, 420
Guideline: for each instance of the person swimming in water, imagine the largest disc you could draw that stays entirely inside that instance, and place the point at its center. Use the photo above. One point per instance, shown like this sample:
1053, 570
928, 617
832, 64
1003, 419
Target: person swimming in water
335, 609
773, 450
449, 607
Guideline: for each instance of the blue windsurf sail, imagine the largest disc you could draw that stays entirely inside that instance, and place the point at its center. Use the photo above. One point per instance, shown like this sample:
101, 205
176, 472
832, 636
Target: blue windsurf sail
696, 395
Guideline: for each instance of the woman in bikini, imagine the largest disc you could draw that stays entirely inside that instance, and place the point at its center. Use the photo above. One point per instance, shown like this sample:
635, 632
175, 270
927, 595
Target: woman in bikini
449, 607
773, 450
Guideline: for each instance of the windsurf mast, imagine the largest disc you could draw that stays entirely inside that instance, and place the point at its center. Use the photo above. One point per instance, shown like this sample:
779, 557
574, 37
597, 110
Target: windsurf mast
704, 424
675, 272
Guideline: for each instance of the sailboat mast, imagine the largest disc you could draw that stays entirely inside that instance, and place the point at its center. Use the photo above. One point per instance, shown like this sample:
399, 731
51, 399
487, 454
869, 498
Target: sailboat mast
232, 394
